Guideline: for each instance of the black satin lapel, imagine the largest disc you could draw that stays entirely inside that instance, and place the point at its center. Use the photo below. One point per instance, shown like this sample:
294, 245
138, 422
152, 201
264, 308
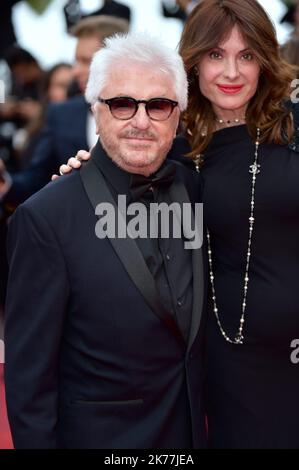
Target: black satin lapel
198, 294
179, 194
126, 248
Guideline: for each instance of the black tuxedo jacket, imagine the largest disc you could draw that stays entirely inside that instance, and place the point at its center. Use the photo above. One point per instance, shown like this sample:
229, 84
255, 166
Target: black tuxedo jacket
90, 363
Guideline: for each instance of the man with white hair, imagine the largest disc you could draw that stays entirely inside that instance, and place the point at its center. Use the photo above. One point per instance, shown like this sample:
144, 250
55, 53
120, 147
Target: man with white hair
103, 333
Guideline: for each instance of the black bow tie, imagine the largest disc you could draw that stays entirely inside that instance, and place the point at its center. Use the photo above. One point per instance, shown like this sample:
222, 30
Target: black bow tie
163, 178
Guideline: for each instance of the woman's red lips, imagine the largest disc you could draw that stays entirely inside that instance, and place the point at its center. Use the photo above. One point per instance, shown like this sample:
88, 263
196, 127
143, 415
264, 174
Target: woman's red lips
230, 89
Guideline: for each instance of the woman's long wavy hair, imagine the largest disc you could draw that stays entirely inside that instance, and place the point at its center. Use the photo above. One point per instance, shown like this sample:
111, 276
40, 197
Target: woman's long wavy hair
209, 24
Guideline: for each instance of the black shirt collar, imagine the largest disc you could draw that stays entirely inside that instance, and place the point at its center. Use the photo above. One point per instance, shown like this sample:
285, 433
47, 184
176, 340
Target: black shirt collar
115, 176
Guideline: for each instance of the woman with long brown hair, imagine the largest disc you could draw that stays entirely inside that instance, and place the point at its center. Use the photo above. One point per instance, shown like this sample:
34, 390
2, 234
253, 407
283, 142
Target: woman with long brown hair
240, 129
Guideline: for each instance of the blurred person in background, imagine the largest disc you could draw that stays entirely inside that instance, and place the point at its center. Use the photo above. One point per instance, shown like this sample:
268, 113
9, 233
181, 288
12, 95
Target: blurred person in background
290, 52
26, 73
57, 81
292, 15
19, 114
54, 89
7, 33
178, 9
23, 104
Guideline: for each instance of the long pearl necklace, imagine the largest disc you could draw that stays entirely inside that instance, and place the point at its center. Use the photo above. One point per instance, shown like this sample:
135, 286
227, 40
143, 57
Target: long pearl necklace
254, 170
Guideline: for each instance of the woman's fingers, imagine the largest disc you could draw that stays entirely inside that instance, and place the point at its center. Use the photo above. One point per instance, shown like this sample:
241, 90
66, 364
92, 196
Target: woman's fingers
63, 169
72, 163
83, 155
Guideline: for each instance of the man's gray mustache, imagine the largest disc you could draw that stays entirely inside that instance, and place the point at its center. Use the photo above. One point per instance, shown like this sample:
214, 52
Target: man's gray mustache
139, 135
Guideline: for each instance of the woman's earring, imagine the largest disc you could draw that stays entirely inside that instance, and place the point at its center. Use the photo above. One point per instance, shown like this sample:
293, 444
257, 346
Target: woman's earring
196, 71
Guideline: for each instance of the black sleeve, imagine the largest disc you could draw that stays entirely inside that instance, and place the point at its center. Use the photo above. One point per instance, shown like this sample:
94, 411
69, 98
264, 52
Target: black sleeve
37, 296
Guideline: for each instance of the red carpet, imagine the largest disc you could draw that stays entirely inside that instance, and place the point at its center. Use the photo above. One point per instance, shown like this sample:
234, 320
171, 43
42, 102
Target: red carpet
5, 437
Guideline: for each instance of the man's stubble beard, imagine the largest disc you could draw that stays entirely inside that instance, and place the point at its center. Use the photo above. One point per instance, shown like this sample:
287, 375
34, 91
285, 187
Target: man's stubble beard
123, 162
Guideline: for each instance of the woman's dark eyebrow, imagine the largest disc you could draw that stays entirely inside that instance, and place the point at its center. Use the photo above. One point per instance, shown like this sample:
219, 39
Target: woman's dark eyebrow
223, 50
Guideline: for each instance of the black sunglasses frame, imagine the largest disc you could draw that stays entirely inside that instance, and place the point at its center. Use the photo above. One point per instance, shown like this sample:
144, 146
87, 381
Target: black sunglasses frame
109, 102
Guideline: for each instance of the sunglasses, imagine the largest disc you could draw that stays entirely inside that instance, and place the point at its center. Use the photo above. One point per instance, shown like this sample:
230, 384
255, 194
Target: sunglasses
124, 107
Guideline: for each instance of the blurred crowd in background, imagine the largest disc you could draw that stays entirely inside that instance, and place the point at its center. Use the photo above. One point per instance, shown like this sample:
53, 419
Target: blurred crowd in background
43, 115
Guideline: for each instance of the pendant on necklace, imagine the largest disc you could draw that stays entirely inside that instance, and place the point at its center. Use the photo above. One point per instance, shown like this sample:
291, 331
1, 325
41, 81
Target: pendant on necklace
255, 169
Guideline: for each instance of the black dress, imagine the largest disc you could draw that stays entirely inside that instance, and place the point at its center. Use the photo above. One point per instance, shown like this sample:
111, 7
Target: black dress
253, 389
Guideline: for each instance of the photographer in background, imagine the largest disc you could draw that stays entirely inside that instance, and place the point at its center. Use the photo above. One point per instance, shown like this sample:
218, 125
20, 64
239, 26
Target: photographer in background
179, 9
73, 12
